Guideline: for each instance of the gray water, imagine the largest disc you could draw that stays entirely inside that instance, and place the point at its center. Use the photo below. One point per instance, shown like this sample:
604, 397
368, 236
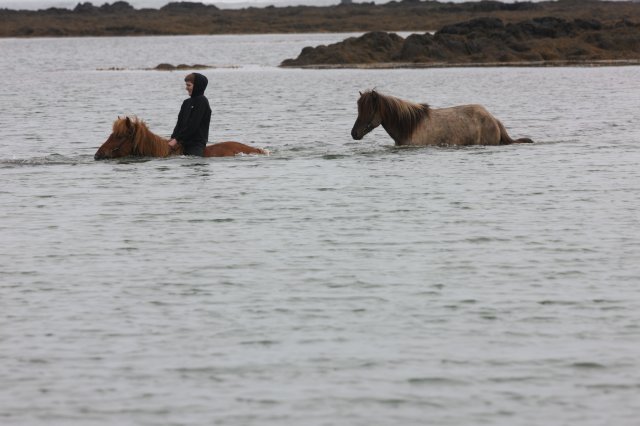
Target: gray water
334, 282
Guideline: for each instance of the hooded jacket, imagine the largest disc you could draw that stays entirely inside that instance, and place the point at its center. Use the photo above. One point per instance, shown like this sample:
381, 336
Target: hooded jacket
192, 128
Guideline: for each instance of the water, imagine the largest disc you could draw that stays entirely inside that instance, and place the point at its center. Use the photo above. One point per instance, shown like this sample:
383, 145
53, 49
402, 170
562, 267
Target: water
334, 282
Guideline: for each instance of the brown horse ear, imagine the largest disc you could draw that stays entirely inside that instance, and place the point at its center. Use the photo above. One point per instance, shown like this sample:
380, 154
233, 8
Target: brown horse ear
129, 125
360, 92
374, 95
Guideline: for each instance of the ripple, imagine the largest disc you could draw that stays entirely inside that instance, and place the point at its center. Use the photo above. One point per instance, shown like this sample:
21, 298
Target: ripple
261, 342
588, 365
559, 302
49, 160
614, 386
437, 381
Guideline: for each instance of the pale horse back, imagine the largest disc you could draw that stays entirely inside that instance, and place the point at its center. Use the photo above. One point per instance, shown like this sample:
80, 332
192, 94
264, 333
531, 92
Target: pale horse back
459, 125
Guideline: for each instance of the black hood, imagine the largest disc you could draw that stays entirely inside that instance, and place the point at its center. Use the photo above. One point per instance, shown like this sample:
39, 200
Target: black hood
199, 84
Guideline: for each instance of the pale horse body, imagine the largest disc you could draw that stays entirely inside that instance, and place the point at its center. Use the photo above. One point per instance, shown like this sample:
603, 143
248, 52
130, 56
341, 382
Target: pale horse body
416, 124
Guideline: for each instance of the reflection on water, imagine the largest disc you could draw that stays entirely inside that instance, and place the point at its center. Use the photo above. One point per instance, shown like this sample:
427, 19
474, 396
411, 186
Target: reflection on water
332, 282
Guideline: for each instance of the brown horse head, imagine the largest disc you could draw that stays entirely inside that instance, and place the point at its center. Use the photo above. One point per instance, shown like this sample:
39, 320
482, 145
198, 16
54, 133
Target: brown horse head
132, 137
120, 141
399, 118
369, 114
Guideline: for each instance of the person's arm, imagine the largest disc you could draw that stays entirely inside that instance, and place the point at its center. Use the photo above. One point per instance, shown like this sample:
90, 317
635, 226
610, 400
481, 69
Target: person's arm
179, 120
173, 142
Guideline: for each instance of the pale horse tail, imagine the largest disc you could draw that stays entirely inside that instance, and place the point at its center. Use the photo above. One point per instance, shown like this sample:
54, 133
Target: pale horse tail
505, 139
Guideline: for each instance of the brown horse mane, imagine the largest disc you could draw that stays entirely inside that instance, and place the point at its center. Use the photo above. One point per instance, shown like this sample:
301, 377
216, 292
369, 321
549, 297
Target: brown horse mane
145, 142
404, 116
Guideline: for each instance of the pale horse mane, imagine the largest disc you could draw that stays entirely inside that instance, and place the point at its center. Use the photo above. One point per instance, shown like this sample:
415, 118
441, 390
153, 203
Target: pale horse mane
395, 112
145, 142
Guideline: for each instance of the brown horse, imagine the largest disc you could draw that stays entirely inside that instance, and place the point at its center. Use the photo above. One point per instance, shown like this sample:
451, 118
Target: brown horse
132, 137
409, 123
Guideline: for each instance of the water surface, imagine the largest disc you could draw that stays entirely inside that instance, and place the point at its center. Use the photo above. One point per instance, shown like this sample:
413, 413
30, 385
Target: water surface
334, 282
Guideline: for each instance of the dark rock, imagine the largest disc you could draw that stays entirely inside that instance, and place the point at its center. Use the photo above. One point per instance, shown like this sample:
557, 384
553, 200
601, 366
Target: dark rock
180, 67
187, 6
485, 6
486, 40
374, 46
547, 27
590, 24
165, 67
474, 25
117, 7
415, 47
85, 8
56, 11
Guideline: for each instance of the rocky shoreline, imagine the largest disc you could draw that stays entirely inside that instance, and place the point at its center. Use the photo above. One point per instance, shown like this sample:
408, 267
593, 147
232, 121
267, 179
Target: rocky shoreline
487, 41
531, 64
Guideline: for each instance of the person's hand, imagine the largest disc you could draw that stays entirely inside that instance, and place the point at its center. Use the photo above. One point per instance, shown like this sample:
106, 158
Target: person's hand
173, 143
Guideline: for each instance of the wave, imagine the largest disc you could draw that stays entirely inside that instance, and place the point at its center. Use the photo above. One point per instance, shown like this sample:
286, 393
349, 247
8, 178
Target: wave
48, 160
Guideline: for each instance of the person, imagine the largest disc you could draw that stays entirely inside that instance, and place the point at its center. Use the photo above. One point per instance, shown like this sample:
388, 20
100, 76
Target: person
192, 127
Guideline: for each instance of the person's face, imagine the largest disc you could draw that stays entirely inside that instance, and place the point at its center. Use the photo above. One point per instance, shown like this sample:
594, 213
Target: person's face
189, 87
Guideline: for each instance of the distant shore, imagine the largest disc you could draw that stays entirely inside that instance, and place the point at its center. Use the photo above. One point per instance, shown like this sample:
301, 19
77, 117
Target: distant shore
523, 64
487, 41
189, 18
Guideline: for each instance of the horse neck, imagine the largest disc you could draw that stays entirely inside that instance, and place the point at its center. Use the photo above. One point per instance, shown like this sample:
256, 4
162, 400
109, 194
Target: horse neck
149, 144
400, 118
394, 132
